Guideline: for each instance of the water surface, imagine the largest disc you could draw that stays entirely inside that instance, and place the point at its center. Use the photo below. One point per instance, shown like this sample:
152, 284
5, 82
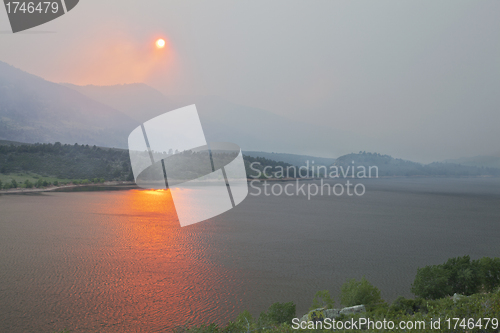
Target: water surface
119, 262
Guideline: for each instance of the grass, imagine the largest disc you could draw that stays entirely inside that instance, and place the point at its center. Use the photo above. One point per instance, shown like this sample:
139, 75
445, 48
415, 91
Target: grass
21, 177
32, 177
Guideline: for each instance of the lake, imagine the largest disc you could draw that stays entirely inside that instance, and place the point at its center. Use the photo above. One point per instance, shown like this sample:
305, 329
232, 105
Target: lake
118, 261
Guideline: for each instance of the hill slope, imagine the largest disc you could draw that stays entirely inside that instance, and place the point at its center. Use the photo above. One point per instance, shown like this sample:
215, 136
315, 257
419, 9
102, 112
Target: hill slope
35, 110
389, 166
251, 128
480, 161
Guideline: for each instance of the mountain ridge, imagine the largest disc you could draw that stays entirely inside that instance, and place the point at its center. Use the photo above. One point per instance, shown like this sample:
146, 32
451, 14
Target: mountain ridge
33, 109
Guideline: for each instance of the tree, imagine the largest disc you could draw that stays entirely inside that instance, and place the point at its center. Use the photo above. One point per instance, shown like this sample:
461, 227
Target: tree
322, 299
279, 313
431, 282
13, 183
464, 275
28, 184
1, 185
490, 273
459, 275
357, 293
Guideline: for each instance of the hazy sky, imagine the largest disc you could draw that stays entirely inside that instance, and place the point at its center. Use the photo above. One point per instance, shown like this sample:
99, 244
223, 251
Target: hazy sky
420, 79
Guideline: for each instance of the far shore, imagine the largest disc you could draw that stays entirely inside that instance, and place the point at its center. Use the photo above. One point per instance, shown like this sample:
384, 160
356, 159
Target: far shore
129, 185
114, 185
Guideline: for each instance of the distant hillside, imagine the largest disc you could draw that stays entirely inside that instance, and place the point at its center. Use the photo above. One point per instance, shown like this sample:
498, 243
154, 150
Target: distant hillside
293, 159
35, 110
389, 166
251, 128
8, 143
137, 100
479, 161
65, 161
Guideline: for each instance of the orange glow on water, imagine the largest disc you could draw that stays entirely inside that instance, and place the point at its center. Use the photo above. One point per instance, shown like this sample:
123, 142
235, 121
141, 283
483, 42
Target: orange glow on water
167, 273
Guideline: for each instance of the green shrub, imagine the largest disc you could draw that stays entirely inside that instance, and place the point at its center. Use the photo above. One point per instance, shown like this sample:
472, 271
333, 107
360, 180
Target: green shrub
464, 275
490, 273
431, 282
459, 275
278, 313
322, 299
357, 293
408, 306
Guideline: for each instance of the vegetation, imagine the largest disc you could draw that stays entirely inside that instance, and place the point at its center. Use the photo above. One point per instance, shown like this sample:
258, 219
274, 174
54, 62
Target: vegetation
359, 292
458, 275
473, 309
322, 299
66, 161
44, 164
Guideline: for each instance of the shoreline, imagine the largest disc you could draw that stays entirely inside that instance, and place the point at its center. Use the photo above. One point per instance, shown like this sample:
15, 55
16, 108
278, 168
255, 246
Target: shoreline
128, 185
117, 185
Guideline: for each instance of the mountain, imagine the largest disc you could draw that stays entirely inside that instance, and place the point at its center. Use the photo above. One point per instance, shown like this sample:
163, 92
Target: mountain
35, 110
389, 166
492, 161
251, 128
293, 159
137, 100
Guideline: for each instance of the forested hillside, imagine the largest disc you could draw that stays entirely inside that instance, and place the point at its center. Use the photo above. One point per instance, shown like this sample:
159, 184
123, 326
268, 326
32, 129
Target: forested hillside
65, 161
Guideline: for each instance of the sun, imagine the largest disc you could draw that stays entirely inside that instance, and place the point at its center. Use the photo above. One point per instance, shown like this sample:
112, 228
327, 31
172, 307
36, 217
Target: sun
160, 43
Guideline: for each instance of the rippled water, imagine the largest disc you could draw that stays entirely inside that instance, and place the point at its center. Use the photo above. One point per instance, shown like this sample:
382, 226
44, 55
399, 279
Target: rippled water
119, 262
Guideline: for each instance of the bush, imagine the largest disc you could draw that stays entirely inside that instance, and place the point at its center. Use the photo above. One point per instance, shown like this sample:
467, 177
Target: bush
431, 282
490, 273
28, 184
408, 306
357, 293
322, 299
13, 183
278, 313
464, 275
457, 275
56, 183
